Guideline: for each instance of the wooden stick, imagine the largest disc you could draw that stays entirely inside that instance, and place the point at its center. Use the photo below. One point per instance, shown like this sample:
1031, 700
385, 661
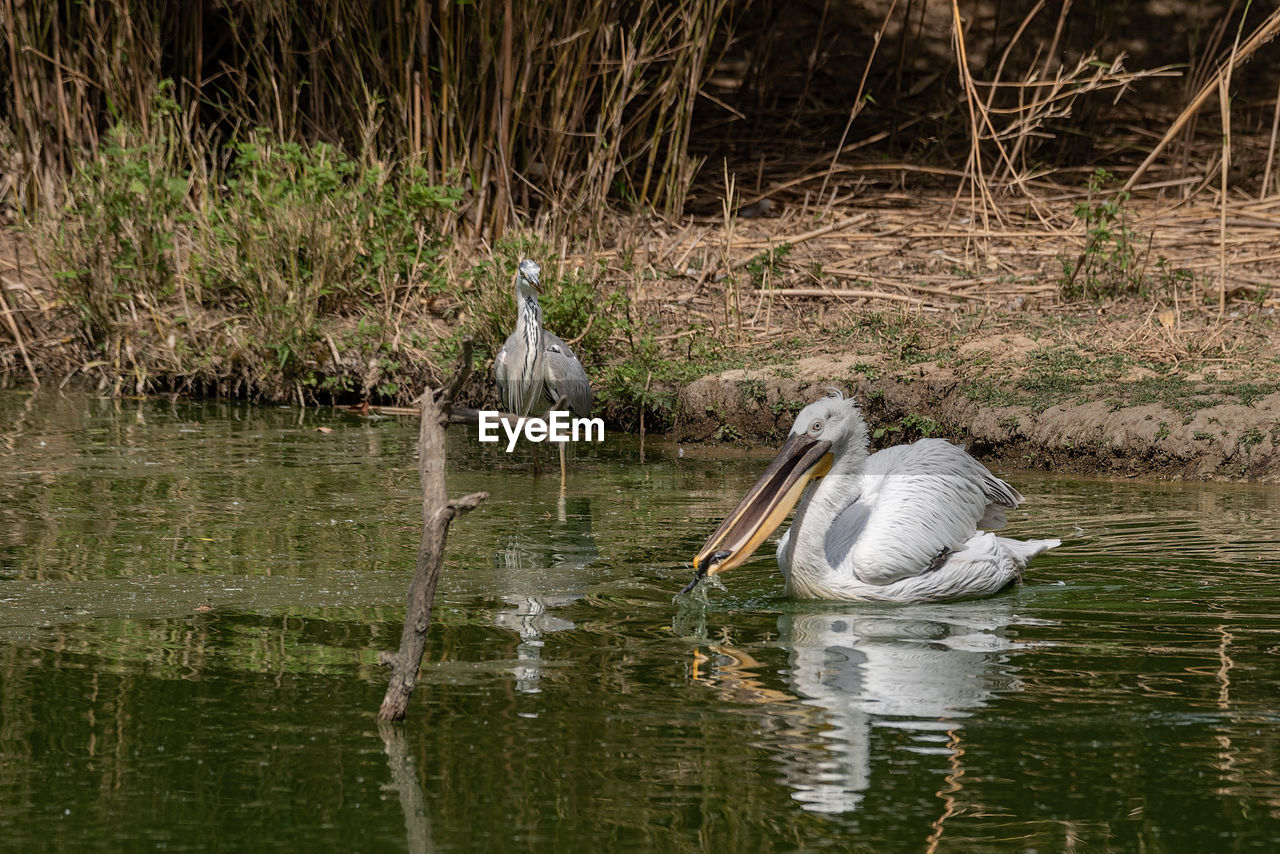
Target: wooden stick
925, 289
1265, 189
806, 236
1224, 105
462, 414
843, 293
437, 512
1224, 102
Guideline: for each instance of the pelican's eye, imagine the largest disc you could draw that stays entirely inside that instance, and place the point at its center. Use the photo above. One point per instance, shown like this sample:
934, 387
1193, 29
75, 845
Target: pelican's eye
816, 427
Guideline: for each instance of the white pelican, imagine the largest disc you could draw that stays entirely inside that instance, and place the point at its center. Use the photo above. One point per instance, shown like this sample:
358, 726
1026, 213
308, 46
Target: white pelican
899, 525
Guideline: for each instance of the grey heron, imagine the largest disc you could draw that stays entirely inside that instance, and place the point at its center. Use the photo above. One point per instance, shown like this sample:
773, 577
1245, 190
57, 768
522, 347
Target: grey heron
535, 364
899, 525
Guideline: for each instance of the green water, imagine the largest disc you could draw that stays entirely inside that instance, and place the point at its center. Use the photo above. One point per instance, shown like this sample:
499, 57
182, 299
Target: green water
193, 598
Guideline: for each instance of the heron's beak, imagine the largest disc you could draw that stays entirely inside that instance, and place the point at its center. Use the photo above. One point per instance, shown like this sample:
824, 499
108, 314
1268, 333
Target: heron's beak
765, 506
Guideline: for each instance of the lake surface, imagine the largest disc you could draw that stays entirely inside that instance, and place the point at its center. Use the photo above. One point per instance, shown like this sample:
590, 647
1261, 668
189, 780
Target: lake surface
193, 597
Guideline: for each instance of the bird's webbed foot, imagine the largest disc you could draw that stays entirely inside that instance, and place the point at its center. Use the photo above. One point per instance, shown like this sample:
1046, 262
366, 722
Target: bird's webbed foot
939, 559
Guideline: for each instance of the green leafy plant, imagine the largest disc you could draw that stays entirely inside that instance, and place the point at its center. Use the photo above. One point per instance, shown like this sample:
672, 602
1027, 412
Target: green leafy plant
115, 240
753, 390
1109, 265
639, 382
911, 426
764, 268
305, 231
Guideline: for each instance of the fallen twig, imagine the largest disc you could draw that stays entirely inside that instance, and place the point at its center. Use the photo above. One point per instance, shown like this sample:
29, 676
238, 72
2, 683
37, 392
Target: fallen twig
942, 292
806, 236
842, 293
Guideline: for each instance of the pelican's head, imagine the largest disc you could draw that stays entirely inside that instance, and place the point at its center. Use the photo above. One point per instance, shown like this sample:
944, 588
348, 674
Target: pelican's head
834, 418
823, 432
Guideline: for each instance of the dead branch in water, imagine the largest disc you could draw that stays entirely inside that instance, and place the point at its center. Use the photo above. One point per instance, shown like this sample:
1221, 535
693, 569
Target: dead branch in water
437, 512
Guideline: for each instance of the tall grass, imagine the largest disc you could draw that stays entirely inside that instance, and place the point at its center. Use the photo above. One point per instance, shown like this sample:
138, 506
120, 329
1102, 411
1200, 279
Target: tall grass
275, 217
271, 223
542, 108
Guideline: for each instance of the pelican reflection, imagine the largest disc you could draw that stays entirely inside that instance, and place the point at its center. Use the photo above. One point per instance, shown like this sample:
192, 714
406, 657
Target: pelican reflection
857, 681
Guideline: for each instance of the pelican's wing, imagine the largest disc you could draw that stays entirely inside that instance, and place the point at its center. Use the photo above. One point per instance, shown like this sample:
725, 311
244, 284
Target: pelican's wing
845, 530
915, 503
783, 555
565, 375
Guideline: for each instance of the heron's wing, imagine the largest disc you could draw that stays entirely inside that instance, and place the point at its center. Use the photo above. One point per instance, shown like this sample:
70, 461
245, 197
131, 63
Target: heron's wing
519, 376
565, 375
501, 374
914, 502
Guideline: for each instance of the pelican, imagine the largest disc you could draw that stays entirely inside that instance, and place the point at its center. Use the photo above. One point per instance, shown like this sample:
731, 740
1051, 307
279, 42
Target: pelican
535, 364
899, 525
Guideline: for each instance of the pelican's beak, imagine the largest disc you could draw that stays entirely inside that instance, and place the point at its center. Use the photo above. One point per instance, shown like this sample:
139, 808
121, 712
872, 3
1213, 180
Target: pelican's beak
765, 506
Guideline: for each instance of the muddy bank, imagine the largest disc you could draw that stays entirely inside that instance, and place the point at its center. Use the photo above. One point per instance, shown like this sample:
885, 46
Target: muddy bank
1208, 434
702, 335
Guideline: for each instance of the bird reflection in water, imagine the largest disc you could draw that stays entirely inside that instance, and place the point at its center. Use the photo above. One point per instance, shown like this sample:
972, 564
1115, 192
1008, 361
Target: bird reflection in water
543, 569
854, 675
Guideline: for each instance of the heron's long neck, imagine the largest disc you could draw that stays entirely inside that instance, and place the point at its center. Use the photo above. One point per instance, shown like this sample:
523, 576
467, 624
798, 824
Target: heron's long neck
530, 311
530, 327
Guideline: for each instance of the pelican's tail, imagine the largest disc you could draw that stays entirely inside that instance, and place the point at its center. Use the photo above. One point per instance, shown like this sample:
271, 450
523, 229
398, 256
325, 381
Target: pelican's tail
1024, 550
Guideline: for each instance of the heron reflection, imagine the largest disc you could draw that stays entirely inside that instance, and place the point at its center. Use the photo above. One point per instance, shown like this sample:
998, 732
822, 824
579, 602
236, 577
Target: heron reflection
543, 568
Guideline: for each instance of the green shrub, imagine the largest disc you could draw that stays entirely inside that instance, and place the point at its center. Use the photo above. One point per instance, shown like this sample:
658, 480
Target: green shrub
1109, 265
113, 240
304, 232
211, 275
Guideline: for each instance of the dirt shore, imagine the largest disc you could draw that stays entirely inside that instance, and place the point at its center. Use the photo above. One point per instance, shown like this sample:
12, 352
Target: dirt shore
1216, 437
975, 335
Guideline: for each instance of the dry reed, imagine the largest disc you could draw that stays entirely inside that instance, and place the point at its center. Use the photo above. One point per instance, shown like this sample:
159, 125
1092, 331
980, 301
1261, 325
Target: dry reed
535, 109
